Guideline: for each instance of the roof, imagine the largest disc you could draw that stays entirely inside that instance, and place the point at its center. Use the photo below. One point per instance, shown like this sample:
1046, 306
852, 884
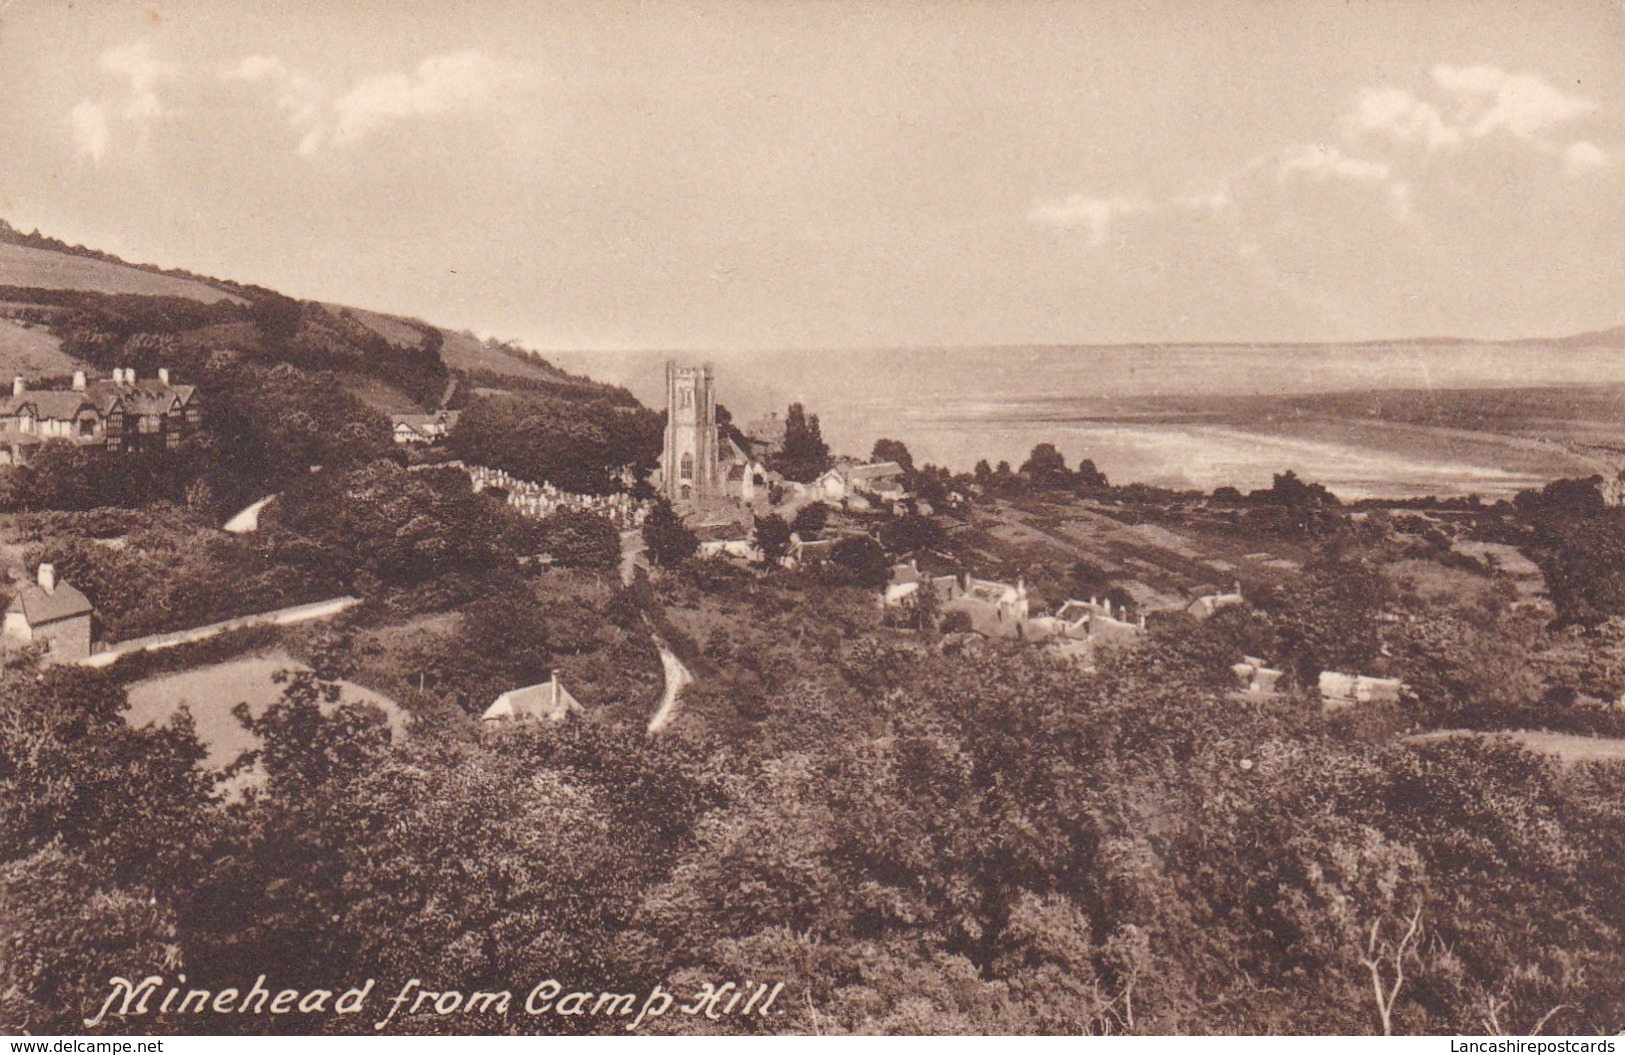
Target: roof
874, 471
1203, 607
770, 428
149, 396
40, 608
49, 404
548, 701
418, 421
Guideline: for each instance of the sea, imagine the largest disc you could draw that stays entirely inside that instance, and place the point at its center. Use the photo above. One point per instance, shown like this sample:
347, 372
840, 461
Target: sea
1124, 407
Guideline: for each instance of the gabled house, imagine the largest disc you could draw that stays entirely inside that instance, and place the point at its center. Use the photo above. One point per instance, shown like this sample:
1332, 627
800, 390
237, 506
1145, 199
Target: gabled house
411, 429
765, 434
120, 413
881, 480
52, 614
547, 702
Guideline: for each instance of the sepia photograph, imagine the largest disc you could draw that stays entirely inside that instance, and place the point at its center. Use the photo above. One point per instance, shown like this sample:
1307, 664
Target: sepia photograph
600, 518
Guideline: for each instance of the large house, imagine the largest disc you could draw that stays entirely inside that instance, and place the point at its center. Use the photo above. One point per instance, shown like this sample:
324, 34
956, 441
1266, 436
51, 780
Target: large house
52, 614
120, 413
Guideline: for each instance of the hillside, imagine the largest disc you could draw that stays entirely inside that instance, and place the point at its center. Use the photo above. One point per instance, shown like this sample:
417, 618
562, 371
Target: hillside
50, 269
31, 351
462, 351
64, 307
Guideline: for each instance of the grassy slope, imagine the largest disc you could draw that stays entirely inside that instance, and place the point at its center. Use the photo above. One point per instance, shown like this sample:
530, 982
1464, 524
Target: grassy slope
460, 351
48, 269
31, 352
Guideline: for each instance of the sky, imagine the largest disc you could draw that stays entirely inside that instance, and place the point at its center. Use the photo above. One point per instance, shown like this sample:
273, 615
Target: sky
756, 174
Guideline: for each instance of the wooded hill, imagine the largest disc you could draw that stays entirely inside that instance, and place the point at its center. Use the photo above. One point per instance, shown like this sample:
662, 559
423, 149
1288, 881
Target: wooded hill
101, 311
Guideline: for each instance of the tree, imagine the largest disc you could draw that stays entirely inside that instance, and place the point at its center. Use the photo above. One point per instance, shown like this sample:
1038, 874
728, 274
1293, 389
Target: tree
579, 538
892, 451
810, 519
1329, 619
668, 539
580, 446
805, 455
910, 533
1045, 468
862, 560
1089, 477
772, 538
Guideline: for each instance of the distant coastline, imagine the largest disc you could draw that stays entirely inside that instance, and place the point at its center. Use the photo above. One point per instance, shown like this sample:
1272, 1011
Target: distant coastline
1379, 419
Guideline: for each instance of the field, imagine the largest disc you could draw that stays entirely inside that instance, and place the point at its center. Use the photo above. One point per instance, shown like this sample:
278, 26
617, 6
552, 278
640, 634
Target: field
31, 352
211, 692
46, 269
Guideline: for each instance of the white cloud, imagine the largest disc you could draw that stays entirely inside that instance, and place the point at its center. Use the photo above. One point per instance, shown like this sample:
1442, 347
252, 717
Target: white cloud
1583, 156
442, 84
1323, 163
90, 132
1474, 102
1491, 99
461, 82
137, 65
1398, 113
1092, 213
135, 106
295, 93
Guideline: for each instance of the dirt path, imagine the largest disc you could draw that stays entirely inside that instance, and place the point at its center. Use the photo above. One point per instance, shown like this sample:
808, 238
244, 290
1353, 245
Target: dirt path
632, 549
677, 678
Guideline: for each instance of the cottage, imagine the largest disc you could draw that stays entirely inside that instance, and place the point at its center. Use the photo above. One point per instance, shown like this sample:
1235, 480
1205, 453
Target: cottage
547, 702
807, 552
996, 609
1207, 607
1098, 621
766, 434
419, 429
119, 413
1338, 691
1255, 678
907, 579
882, 480
51, 614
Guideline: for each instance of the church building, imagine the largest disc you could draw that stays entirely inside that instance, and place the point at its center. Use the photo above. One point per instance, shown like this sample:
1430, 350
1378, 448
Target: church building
689, 464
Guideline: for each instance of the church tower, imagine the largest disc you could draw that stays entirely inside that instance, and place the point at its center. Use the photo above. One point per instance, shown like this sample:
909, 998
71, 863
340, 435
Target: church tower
688, 462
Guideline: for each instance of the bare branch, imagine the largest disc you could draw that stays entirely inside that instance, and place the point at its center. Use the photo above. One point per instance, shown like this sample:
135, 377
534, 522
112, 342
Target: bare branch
1547, 1017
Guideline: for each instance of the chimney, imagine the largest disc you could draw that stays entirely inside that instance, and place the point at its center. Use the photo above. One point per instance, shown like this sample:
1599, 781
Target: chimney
163, 376
47, 578
78, 380
18, 386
